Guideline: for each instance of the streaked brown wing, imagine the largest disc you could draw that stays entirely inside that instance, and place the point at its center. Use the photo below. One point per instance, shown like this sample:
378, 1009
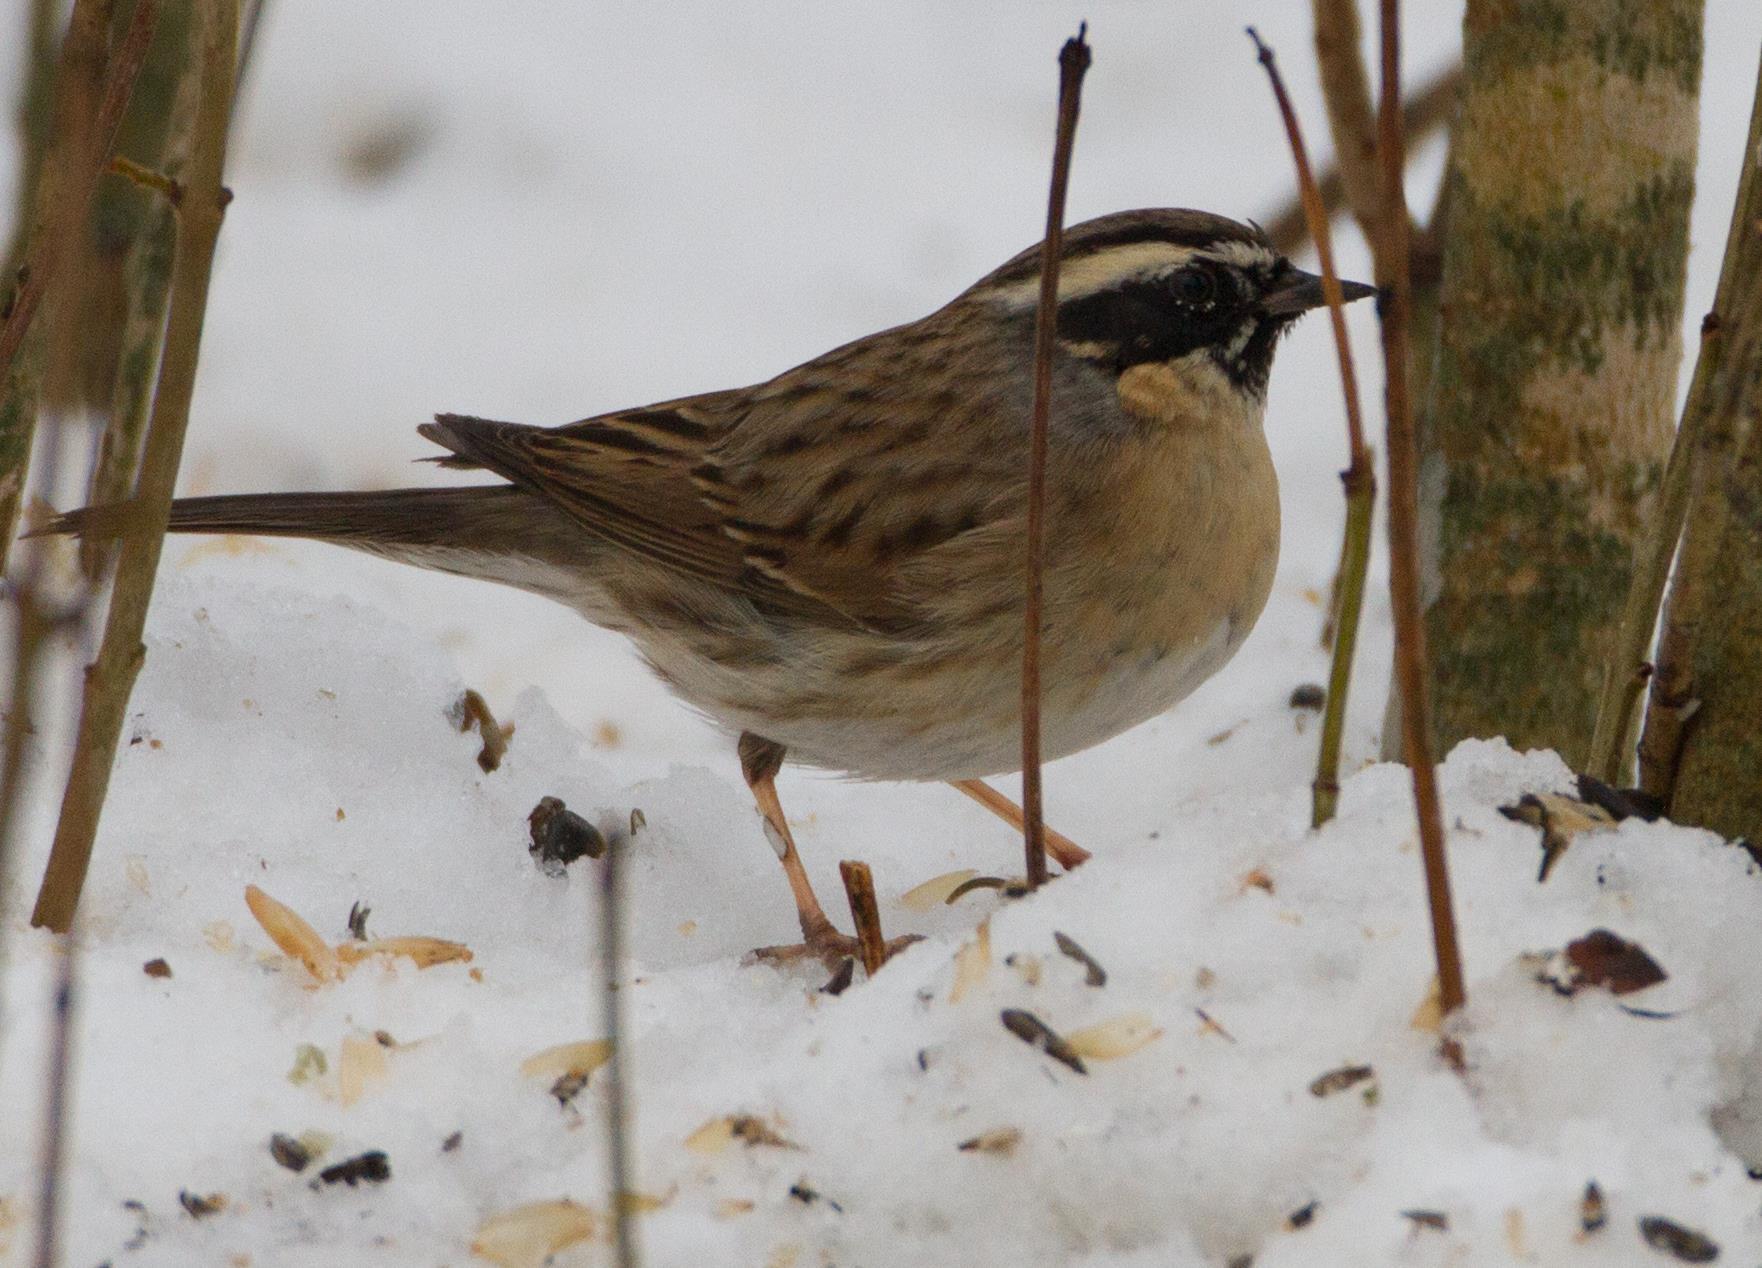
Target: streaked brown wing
639, 481
811, 495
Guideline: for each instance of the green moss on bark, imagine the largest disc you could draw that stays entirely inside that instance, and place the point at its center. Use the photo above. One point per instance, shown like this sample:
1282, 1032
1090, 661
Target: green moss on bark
1557, 351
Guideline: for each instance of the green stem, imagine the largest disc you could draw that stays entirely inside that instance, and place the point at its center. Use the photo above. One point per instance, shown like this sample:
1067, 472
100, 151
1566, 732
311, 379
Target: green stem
1361, 496
110, 678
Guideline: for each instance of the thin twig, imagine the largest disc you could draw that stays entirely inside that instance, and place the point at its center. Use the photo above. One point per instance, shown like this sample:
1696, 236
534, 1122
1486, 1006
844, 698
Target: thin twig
89, 99
1410, 648
134, 267
253, 24
1359, 477
1345, 84
54, 1160
1689, 461
34, 116
111, 677
119, 83
1426, 111
859, 887
618, 1064
147, 178
1073, 61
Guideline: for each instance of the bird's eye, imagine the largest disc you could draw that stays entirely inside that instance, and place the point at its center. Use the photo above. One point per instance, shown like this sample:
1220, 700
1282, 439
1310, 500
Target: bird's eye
1195, 286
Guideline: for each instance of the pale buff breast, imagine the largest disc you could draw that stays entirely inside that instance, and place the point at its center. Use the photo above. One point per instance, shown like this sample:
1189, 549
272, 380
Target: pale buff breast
1158, 571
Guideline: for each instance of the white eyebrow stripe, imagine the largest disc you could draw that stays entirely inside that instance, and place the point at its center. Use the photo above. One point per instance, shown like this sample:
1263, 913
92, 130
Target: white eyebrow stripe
1248, 255
1096, 271
1086, 274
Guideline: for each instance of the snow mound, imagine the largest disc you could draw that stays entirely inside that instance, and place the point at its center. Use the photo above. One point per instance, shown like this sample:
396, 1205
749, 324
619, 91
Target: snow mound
303, 744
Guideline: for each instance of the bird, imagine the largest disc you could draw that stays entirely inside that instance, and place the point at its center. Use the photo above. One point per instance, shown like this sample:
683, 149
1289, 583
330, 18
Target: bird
830, 564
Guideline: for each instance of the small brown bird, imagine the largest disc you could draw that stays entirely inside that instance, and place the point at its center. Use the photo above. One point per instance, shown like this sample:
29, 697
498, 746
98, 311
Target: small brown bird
830, 563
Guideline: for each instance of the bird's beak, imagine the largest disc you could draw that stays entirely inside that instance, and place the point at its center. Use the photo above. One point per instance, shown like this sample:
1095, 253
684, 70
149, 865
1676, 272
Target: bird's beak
1297, 292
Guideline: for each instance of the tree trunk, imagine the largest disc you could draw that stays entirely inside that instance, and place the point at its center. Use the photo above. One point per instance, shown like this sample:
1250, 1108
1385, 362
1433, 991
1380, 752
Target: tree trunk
1719, 769
1702, 746
1571, 176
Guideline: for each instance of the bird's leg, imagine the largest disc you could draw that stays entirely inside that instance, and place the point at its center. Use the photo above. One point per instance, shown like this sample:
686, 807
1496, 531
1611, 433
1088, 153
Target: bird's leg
760, 760
1061, 847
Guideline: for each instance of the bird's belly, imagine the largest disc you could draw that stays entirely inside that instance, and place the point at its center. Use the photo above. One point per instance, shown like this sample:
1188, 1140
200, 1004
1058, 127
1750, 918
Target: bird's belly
960, 718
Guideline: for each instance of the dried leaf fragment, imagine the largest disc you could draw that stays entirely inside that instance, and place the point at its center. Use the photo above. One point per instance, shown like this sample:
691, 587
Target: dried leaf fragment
424, 952
717, 1134
309, 1064
1685, 1244
1593, 1212
371, 1167
1560, 818
1011, 889
1209, 1025
568, 1058
471, 709
972, 962
1339, 1080
1258, 878
1603, 958
560, 836
361, 1064
200, 1205
526, 1236
999, 1140
1093, 973
1117, 1037
1036, 1033
1429, 1016
289, 1152
293, 935
807, 1195
1308, 695
935, 891
1027, 967
568, 1087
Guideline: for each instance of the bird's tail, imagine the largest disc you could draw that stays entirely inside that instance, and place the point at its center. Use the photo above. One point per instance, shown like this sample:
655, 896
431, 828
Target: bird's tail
495, 532
391, 517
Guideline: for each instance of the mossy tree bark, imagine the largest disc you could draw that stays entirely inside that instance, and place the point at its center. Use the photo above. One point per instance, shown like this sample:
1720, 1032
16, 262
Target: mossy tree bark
1717, 783
1570, 181
1702, 746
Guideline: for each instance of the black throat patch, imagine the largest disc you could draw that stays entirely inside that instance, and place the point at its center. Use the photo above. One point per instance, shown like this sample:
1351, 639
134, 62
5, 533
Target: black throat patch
1146, 321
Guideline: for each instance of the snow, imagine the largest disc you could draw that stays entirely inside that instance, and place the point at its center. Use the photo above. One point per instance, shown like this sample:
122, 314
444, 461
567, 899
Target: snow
264, 712
608, 207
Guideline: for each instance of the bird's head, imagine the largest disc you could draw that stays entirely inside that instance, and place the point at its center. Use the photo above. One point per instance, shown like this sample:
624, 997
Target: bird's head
1202, 293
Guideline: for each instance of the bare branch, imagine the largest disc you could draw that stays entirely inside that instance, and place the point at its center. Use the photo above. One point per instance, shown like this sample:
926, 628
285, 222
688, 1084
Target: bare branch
1427, 110
1410, 642
1345, 85
1073, 61
1359, 478
618, 1064
119, 82
859, 887
111, 677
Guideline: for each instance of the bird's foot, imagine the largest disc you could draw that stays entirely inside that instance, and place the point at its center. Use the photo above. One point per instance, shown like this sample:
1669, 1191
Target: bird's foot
821, 940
